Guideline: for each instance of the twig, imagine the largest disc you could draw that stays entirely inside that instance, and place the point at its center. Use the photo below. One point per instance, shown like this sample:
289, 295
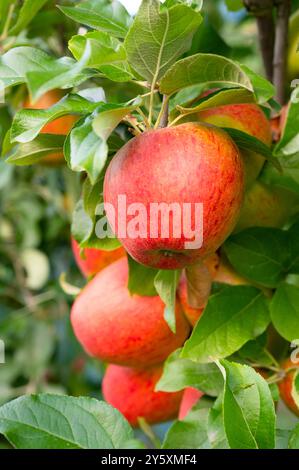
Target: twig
263, 11
7, 22
281, 47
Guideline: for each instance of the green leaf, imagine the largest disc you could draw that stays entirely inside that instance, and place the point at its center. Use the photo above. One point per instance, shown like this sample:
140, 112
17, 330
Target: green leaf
256, 352
61, 422
141, 279
102, 15
289, 142
232, 317
58, 73
166, 283
179, 374
216, 432
84, 150
259, 254
248, 142
28, 123
234, 5
248, 408
191, 433
294, 248
110, 115
284, 310
27, 12
16, 63
263, 89
294, 438
220, 98
86, 147
108, 55
204, 69
85, 219
45, 145
158, 37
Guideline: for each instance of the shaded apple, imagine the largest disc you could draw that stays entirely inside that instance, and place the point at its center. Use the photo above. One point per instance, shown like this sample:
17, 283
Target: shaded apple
60, 126
91, 260
190, 398
267, 206
117, 327
248, 118
132, 392
189, 165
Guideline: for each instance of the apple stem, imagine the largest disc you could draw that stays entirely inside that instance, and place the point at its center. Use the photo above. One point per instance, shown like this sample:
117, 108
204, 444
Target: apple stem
199, 284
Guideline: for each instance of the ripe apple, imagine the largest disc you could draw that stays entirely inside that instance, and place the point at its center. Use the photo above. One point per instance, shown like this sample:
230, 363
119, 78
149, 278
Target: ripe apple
132, 392
188, 165
266, 206
60, 126
190, 397
117, 327
91, 260
285, 386
248, 118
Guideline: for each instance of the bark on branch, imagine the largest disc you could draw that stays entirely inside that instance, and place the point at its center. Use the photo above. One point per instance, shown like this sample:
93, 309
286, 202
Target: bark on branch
281, 48
263, 11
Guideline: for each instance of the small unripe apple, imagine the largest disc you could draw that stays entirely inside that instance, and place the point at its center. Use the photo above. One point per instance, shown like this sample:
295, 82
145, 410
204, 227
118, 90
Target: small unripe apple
117, 327
132, 392
267, 206
285, 386
190, 398
248, 118
60, 126
91, 260
194, 165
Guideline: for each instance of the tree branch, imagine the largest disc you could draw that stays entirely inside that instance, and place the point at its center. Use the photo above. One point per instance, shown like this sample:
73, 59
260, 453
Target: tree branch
281, 47
263, 11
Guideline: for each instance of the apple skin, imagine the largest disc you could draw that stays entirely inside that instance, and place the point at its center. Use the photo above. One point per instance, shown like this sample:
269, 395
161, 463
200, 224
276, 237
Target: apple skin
92, 260
191, 163
190, 397
132, 392
285, 387
60, 126
117, 327
266, 206
248, 118
192, 313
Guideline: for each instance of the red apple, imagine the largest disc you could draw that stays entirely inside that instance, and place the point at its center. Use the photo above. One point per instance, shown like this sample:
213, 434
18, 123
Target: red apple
190, 397
248, 118
285, 386
120, 328
132, 392
187, 165
91, 261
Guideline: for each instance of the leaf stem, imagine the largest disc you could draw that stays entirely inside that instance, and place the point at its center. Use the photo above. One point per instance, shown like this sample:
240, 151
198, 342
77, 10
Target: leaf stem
145, 427
177, 119
7, 22
163, 117
144, 117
